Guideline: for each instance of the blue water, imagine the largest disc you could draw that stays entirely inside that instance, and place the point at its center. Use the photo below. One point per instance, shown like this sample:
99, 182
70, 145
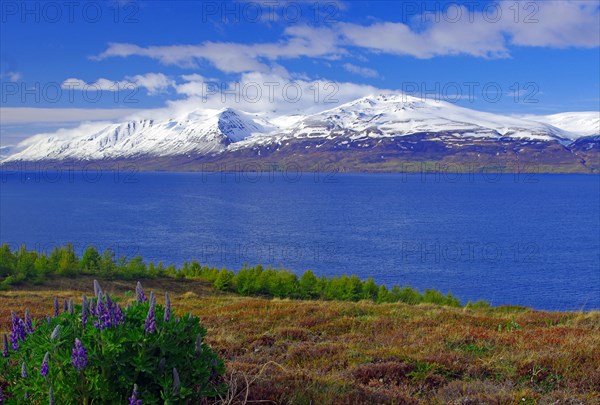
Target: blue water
527, 240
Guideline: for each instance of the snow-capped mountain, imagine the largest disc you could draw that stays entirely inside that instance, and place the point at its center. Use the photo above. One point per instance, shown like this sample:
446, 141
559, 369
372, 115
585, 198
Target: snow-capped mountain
396, 124
388, 115
575, 123
199, 132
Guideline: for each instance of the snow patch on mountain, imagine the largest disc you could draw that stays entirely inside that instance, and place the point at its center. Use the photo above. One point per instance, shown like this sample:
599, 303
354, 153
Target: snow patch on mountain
576, 124
210, 132
199, 132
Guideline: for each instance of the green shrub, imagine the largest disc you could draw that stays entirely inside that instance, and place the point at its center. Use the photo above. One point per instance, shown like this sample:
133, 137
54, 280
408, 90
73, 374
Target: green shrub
96, 352
23, 265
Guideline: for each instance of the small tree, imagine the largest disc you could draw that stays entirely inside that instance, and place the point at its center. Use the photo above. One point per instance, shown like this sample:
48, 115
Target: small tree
90, 261
224, 279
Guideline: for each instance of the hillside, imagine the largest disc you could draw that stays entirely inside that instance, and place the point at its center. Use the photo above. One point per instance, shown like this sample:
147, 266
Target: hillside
286, 351
382, 132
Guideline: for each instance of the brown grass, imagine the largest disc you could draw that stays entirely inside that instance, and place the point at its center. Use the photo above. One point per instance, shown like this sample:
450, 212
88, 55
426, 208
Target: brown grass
302, 352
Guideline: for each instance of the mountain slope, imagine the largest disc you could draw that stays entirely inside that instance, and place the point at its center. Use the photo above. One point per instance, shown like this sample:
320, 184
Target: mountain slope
577, 124
389, 115
371, 133
199, 133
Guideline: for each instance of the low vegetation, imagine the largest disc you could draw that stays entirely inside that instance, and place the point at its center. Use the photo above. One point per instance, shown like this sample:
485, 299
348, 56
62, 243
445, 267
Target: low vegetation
284, 351
99, 352
308, 339
23, 265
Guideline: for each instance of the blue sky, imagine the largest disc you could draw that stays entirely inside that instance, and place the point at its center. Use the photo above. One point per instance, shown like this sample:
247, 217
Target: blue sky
509, 57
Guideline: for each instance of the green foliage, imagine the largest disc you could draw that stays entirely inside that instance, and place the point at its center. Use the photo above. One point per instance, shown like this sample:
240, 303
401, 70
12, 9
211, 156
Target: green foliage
509, 326
478, 304
223, 280
22, 265
118, 356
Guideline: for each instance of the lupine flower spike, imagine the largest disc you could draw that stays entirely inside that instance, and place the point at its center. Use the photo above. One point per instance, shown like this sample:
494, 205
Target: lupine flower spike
97, 289
139, 293
109, 313
133, 399
17, 331
44, 368
71, 306
93, 306
28, 322
79, 358
167, 307
65, 306
24, 372
51, 396
150, 324
55, 333
176, 382
55, 307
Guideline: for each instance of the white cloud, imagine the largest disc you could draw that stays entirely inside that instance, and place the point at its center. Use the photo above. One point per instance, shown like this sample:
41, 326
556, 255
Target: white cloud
362, 71
299, 41
556, 24
263, 93
12, 76
154, 83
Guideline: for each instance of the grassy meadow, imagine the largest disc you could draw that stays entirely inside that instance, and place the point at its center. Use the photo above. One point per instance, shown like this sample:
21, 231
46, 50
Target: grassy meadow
333, 352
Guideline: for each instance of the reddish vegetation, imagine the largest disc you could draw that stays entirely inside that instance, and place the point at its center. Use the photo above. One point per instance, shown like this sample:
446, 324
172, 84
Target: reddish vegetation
341, 352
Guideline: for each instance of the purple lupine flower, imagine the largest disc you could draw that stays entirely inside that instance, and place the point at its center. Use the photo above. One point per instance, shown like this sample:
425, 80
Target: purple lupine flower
18, 331
97, 289
44, 368
4, 345
55, 307
55, 333
65, 306
84, 310
150, 324
28, 322
167, 307
99, 308
24, 372
133, 399
176, 382
48, 319
71, 306
1, 395
109, 313
109, 302
139, 293
50, 396
93, 306
161, 364
79, 357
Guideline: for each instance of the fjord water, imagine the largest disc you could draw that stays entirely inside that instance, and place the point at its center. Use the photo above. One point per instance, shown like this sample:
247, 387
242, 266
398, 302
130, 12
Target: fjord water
530, 240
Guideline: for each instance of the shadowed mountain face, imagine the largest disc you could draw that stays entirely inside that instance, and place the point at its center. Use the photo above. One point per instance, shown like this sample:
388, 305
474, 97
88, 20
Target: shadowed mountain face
386, 132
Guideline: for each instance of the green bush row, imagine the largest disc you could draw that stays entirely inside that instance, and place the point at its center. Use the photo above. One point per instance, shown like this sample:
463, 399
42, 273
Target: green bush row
23, 265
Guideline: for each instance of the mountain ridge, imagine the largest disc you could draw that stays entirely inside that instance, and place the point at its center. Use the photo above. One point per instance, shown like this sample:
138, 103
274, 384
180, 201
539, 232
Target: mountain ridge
383, 126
